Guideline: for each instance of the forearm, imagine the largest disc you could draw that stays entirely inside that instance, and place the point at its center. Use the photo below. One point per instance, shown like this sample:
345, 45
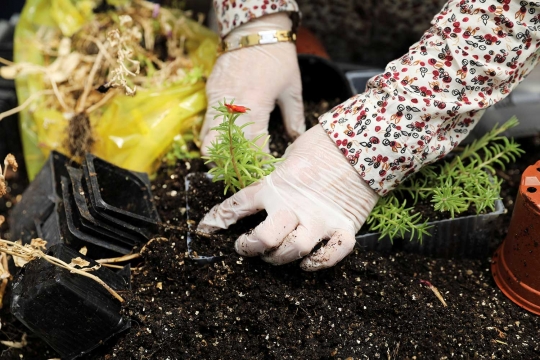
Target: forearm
427, 101
233, 13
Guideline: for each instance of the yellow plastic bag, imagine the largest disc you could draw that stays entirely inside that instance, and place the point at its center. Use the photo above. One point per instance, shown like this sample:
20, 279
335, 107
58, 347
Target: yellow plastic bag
131, 132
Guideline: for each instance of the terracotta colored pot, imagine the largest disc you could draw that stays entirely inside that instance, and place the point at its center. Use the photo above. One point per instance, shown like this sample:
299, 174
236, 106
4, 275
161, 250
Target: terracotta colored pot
308, 43
516, 264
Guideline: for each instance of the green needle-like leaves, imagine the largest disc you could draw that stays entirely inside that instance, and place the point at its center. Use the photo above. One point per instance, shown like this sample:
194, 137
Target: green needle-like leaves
468, 181
238, 161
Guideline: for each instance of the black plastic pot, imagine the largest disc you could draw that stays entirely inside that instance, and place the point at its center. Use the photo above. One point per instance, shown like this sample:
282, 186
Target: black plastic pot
72, 313
42, 195
136, 193
71, 228
87, 221
61, 206
133, 204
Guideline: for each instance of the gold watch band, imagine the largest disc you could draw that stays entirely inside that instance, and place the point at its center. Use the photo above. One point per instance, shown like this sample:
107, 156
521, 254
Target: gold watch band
260, 38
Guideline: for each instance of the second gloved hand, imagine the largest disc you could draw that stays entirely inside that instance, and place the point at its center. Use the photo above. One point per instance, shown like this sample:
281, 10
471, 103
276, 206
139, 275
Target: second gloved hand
313, 195
257, 77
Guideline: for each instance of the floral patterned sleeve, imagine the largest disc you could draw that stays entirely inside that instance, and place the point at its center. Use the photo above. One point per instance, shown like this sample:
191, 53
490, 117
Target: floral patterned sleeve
233, 13
426, 102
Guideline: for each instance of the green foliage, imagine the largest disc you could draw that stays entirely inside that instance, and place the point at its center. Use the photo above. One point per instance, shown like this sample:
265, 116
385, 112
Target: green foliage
466, 182
180, 149
238, 161
394, 219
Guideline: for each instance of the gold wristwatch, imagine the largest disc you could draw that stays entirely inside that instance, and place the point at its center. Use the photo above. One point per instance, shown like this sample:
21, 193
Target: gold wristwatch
260, 38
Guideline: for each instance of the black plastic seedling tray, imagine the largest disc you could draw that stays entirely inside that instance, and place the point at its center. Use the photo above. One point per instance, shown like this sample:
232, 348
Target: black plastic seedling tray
72, 313
88, 222
134, 204
43, 193
464, 237
139, 230
70, 226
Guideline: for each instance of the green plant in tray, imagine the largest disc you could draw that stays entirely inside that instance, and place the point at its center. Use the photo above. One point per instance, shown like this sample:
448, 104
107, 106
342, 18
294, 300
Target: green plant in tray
466, 182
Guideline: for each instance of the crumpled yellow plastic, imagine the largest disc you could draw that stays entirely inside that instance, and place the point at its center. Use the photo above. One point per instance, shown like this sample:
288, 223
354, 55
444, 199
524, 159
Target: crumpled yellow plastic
131, 132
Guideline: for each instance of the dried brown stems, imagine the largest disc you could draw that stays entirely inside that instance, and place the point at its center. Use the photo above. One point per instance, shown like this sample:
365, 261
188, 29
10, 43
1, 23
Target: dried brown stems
9, 161
26, 253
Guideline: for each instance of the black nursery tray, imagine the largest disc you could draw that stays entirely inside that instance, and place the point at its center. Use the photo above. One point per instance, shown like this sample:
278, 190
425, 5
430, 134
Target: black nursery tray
90, 223
104, 207
134, 204
138, 230
463, 237
98, 246
72, 313
39, 198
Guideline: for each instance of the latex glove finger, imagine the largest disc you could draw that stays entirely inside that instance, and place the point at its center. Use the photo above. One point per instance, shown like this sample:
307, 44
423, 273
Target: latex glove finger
292, 107
340, 245
268, 235
238, 206
296, 245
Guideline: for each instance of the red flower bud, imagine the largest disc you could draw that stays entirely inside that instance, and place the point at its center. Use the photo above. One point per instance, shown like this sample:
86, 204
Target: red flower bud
236, 109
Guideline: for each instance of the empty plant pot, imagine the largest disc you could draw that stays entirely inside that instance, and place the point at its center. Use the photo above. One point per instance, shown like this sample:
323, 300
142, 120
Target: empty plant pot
140, 232
88, 222
98, 246
516, 263
133, 203
72, 313
38, 199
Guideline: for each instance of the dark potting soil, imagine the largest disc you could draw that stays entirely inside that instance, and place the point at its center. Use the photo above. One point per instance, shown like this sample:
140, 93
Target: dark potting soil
367, 306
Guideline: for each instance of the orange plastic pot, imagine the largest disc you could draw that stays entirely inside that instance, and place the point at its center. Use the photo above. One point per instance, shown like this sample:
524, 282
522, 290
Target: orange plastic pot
516, 263
308, 43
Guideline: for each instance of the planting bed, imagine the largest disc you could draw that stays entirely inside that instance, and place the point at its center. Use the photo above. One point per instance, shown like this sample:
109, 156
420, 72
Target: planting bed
370, 305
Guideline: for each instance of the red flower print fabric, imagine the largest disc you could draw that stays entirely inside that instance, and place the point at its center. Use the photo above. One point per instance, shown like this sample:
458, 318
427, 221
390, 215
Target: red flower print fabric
233, 13
427, 101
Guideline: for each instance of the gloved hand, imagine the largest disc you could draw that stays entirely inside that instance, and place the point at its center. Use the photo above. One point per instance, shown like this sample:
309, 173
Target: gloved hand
257, 77
313, 195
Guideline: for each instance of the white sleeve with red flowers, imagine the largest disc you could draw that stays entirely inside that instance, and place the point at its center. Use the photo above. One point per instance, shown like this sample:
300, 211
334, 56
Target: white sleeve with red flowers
233, 13
427, 101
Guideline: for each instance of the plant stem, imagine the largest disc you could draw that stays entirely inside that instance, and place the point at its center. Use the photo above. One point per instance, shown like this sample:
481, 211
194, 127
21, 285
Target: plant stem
231, 150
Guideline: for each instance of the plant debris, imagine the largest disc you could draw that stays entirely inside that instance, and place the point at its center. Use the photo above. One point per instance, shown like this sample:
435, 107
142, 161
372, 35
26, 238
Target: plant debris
119, 49
435, 291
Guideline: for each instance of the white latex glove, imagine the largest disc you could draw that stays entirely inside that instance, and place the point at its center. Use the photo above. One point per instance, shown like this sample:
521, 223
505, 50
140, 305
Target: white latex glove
313, 195
257, 77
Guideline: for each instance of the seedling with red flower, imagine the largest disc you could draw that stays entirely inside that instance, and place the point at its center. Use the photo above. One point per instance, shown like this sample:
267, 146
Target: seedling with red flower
238, 161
